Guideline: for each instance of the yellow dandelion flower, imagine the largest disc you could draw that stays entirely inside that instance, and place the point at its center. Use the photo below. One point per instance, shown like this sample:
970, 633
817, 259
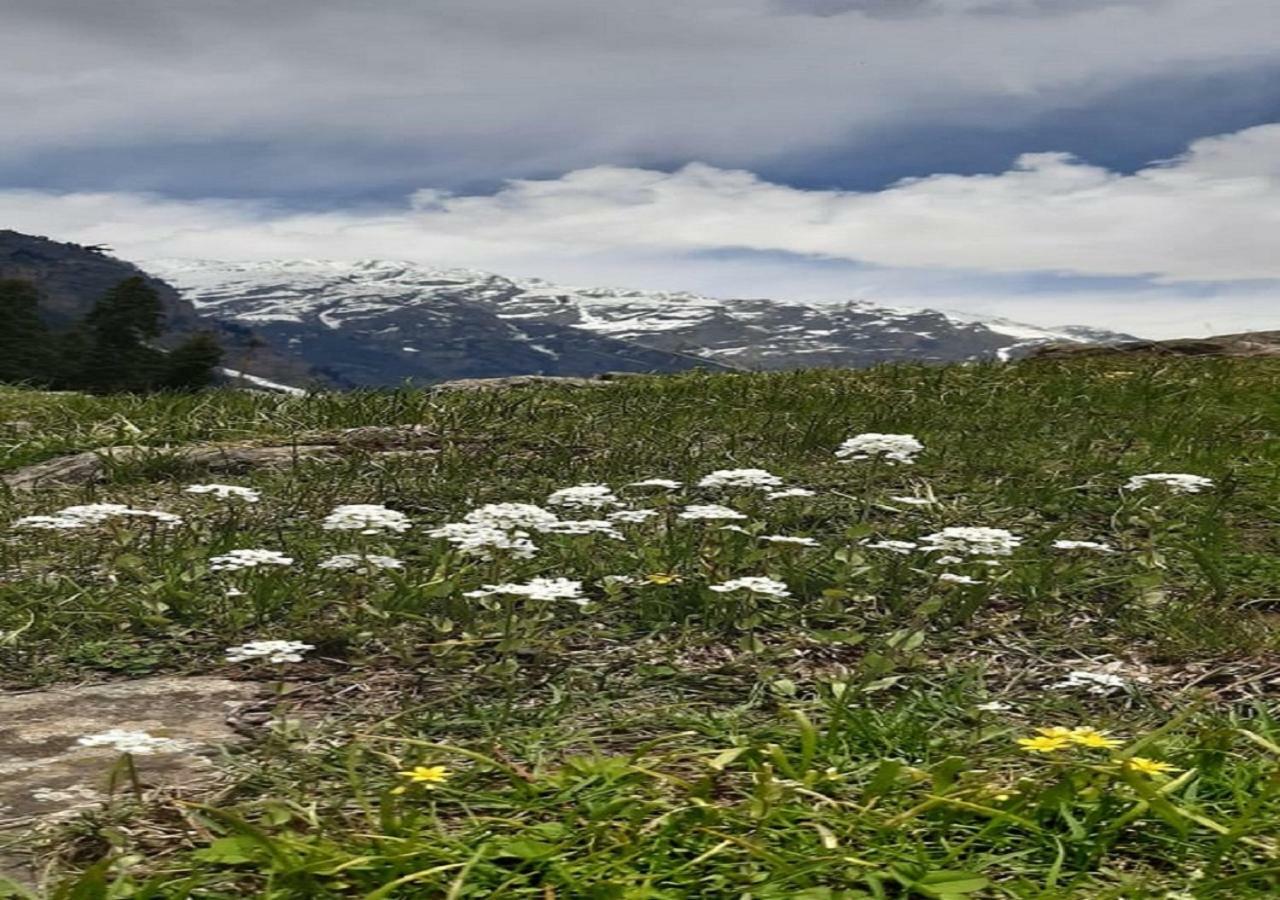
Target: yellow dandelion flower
1148, 766
1043, 744
1092, 738
663, 578
427, 775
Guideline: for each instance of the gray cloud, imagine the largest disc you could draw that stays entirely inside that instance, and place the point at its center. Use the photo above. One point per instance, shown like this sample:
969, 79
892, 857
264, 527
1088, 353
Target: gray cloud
457, 90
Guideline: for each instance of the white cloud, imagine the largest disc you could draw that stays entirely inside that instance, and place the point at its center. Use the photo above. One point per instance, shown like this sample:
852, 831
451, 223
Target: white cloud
1208, 216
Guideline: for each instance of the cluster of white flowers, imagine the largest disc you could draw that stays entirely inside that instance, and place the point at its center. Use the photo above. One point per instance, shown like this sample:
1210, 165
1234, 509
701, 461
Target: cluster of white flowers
1095, 546
368, 562
511, 516
665, 483
225, 492
138, 743
903, 548
973, 541
585, 496
366, 518
476, 539
755, 584
788, 493
709, 512
536, 589
1175, 483
740, 478
790, 539
583, 526
271, 651
891, 448
632, 516
1099, 683
94, 514
248, 559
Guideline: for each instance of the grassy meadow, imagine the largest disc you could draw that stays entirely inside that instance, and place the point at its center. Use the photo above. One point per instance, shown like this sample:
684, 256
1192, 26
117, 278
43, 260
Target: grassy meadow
891, 722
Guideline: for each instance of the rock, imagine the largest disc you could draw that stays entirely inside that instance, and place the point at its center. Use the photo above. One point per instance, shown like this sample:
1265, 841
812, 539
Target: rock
94, 466
493, 384
46, 773
1245, 344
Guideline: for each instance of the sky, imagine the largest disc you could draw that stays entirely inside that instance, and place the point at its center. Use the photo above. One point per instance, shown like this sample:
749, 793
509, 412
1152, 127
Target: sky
1113, 163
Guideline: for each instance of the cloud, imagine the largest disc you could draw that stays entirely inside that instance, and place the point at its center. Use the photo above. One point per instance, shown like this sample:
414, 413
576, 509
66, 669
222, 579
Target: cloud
1194, 233
313, 93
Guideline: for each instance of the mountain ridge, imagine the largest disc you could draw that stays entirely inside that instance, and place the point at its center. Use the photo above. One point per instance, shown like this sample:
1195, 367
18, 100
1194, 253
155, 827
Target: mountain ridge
377, 313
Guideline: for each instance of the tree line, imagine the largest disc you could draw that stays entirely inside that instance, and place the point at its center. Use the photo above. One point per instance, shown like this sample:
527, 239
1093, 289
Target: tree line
110, 350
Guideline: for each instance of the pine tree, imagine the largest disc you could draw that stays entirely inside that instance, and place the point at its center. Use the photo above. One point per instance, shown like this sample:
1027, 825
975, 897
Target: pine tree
119, 326
192, 365
26, 347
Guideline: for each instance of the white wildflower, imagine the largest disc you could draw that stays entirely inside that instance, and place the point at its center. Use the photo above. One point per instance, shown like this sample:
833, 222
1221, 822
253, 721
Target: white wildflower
903, 548
946, 560
618, 580
973, 541
271, 651
536, 589
789, 539
584, 496
511, 516
892, 448
709, 511
94, 514
370, 562
1174, 482
632, 516
1095, 546
755, 584
1099, 683
482, 540
138, 743
583, 526
788, 493
48, 523
664, 483
740, 478
366, 518
248, 559
952, 578
225, 492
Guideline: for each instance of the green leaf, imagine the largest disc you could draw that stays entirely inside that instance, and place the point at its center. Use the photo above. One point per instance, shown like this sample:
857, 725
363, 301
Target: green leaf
231, 850
527, 849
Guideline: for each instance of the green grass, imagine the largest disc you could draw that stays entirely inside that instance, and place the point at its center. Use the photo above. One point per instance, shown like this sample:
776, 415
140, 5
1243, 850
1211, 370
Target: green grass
668, 741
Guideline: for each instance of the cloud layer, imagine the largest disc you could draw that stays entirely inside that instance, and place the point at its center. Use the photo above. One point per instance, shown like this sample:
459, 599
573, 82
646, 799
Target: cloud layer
1195, 232
307, 94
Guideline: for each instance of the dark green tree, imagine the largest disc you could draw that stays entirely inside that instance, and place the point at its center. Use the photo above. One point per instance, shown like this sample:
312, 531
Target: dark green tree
119, 357
192, 365
26, 346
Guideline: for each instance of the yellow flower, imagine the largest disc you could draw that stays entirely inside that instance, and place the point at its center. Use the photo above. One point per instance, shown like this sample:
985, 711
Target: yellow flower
1043, 744
1089, 737
429, 776
663, 578
1148, 766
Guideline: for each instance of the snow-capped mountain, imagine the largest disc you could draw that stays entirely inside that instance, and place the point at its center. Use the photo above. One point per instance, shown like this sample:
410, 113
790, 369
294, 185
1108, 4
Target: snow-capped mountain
377, 322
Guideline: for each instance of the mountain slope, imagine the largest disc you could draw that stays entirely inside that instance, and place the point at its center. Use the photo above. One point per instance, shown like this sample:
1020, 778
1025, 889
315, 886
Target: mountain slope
72, 278
378, 322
